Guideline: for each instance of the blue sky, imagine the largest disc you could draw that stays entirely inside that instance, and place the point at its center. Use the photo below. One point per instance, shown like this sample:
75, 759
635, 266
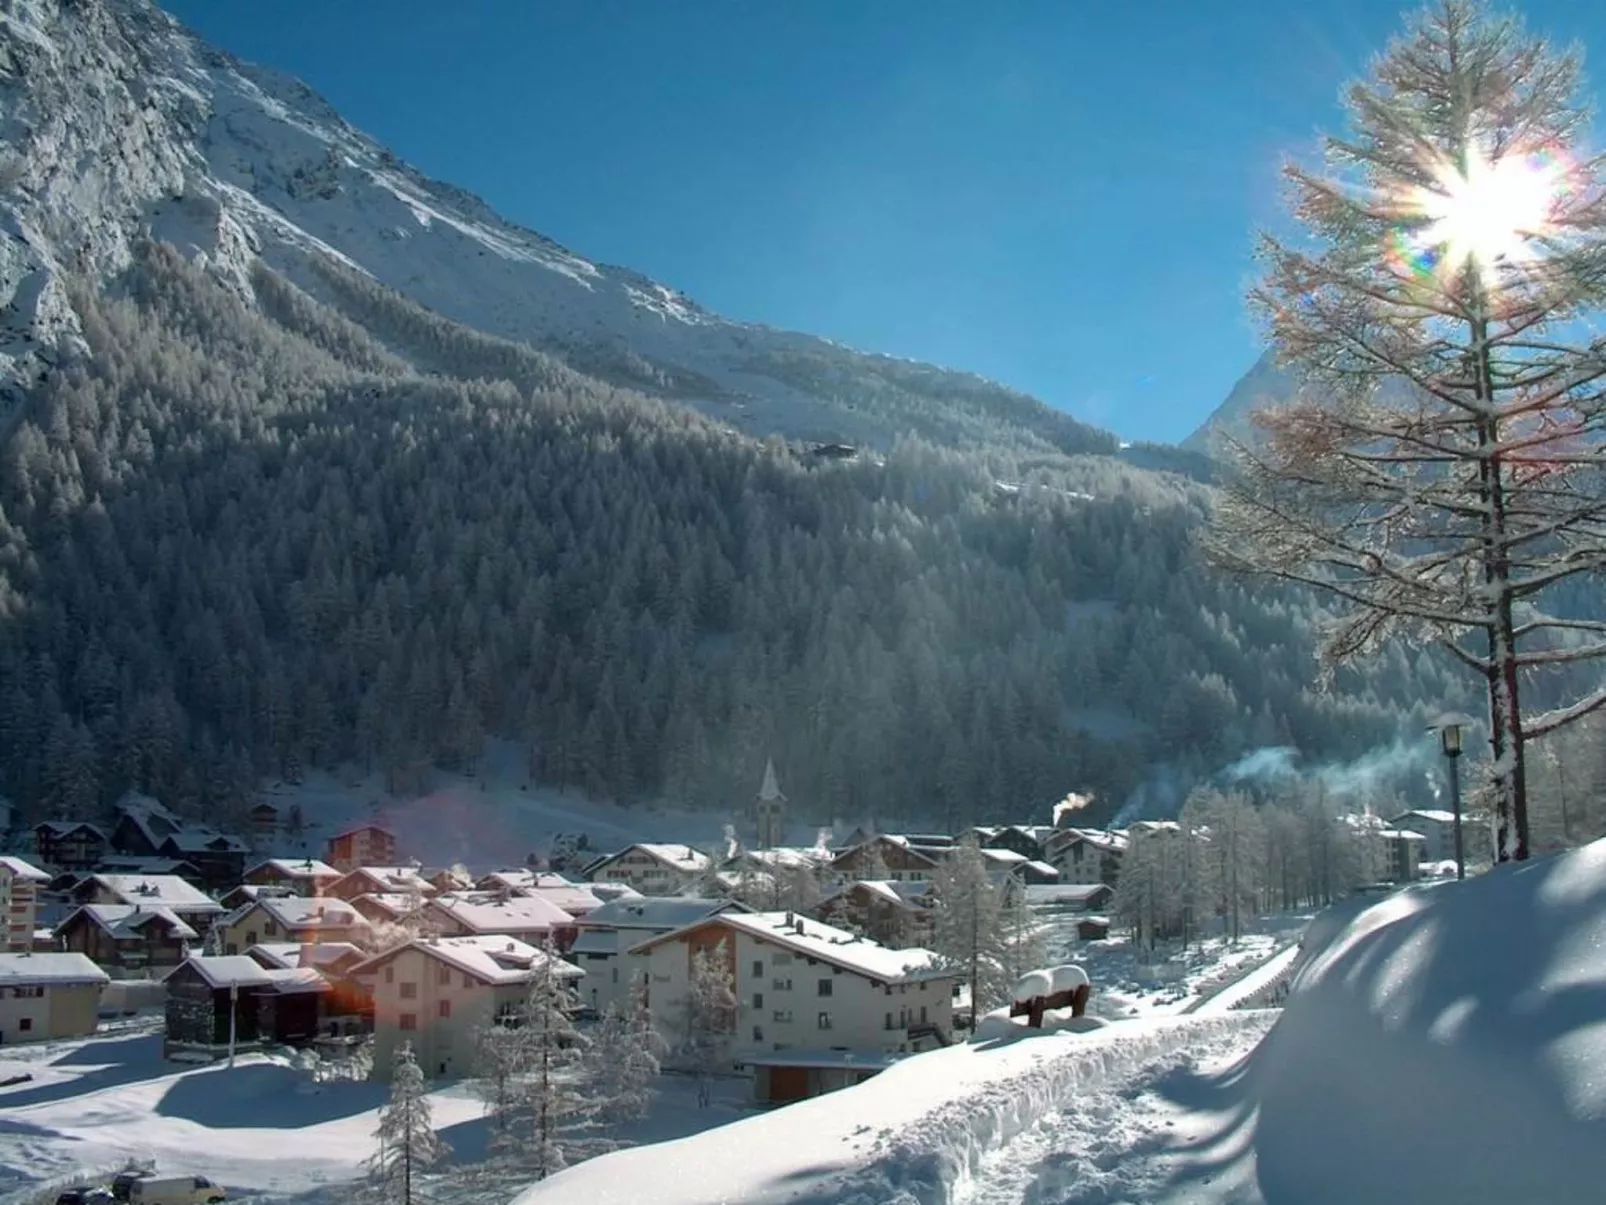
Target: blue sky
1057, 194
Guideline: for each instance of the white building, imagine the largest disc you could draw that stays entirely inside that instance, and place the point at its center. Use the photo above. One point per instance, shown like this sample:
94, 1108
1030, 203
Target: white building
44, 996
653, 869
527, 917
607, 934
802, 985
20, 883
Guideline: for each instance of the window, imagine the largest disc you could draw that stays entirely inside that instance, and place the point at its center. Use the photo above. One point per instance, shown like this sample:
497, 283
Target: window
445, 977
468, 980
250, 937
758, 968
409, 991
922, 1014
270, 928
758, 1034
616, 974
824, 1021
407, 1022
390, 974
782, 1016
889, 1020
25, 1024
826, 987
446, 1008
758, 999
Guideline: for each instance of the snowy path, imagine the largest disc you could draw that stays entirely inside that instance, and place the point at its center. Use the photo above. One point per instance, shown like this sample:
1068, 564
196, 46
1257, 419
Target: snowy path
1136, 1139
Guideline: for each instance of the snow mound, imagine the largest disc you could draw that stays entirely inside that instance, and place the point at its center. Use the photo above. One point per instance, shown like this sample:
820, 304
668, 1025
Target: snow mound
1069, 977
1445, 1045
1032, 985
998, 1025
913, 1135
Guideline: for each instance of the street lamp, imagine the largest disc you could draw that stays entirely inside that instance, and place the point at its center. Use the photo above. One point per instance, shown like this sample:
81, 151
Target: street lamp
1449, 727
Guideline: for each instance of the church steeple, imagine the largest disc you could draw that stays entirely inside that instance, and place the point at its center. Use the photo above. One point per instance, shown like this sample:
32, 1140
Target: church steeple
770, 811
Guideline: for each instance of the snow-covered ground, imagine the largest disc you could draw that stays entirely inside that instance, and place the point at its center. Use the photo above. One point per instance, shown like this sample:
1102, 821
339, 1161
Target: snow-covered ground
262, 1129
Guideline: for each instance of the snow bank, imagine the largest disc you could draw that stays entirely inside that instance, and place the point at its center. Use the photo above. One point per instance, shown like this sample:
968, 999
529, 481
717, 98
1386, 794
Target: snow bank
998, 1025
913, 1135
1445, 1045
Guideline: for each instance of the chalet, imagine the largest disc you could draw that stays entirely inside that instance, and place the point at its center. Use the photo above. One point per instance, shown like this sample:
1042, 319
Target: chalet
290, 918
653, 869
48, 996
1069, 897
70, 844
348, 1013
450, 879
191, 905
142, 824
303, 876
438, 993
222, 1002
128, 941
605, 936
381, 880
810, 990
245, 893
894, 914
362, 845
476, 914
1438, 833
1086, 855
1025, 840
904, 859
134, 864
20, 884
264, 821
219, 857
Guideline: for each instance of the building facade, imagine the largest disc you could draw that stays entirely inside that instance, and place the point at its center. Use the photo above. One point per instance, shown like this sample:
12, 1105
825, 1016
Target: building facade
20, 883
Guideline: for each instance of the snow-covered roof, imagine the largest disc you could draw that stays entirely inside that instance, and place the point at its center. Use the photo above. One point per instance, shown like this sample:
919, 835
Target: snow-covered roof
901, 894
1433, 815
596, 941
165, 890
609, 892
826, 943
141, 865
365, 826
60, 969
929, 852
295, 980
484, 913
60, 828
658, 913
575, 899
229, 970
522, 879
491, 959
1049, 893
126, 920
22, 869
296, 868
281, 954
1007, 857
201, 839
391, 878
787, 857
393, 903
310, 912
1042, 868
681, 857
1105, 839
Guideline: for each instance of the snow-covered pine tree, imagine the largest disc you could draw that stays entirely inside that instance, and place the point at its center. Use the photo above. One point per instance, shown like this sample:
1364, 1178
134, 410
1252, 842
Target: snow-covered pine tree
408, 1143
552, 1093
501, 1058
627, 1052
1023, 941
1440, 477
967, 932
708, 1017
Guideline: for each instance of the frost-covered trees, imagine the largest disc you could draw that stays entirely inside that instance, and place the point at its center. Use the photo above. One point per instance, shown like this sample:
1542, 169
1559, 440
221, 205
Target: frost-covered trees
967, 926
627, 1052
707, 1019
408, 1144
1441, 477
238, 540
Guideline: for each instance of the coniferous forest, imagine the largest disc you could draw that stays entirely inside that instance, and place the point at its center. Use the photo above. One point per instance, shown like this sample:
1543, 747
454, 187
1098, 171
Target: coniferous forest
244, 536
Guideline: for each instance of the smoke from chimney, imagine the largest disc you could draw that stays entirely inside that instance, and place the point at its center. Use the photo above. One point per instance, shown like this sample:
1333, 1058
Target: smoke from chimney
1074, 802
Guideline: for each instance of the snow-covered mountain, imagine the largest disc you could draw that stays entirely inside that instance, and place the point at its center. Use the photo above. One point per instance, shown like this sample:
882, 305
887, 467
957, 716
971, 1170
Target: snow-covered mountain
117, 124
1263, 385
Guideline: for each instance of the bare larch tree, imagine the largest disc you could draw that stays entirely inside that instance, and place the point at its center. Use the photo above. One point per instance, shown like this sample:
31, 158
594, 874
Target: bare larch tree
1439, 470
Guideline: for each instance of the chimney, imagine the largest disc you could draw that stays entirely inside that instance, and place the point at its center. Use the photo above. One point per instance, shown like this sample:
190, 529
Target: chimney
791, 919
307, 956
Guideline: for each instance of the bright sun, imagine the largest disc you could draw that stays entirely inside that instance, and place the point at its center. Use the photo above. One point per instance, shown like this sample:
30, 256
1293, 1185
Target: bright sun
1489, 214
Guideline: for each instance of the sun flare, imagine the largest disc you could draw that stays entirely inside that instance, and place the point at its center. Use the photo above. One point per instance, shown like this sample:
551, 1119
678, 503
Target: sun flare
1484, 215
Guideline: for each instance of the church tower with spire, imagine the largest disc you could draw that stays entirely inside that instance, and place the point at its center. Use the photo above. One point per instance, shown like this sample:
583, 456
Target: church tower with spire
770, 810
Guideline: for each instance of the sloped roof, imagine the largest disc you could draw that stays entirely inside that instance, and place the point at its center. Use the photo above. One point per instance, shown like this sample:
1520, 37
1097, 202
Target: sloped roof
394, 878
825, 943
930, 853
296, 868
893, 891
282, 954
229, 970
491, 959
1435, 815
164, 890
657, 913
288, 981
484, 913
197, 838
63, 970
60, 828
363, 827
596, 941
22, 869
310, 912
126, 920
681, 857
575, 899
392, 903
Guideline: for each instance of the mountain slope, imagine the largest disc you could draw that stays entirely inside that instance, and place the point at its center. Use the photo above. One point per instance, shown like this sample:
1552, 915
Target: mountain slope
1263, 385
313, 460
121, 124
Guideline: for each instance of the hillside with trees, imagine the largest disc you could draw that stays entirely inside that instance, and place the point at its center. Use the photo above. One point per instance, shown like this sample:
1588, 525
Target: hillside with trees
246, 536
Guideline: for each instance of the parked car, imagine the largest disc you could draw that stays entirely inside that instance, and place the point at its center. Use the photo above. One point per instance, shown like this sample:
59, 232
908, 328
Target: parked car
85, 1196
139, 1189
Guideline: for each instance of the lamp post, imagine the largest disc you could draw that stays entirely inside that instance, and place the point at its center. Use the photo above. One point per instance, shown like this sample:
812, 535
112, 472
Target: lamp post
1449, 729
